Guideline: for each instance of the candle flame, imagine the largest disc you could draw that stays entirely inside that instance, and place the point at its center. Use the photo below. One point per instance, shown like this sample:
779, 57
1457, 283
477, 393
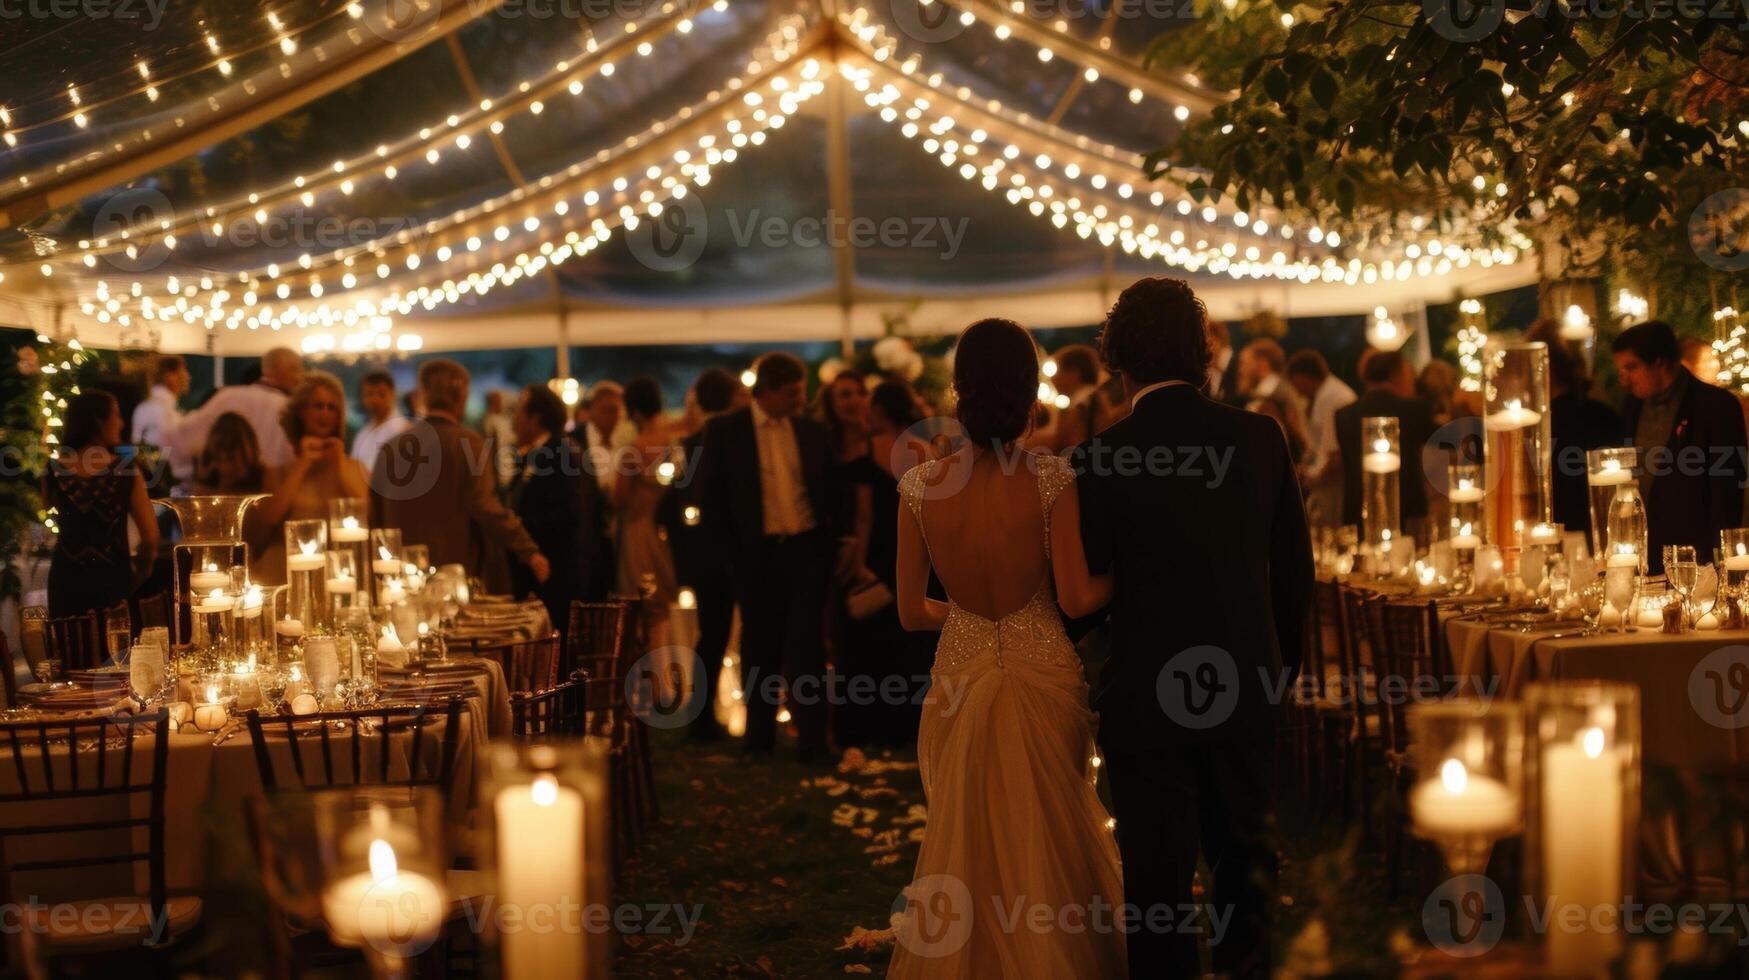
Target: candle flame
350, 523
1455, 777
1611, 466
1591, 740
1463, 484
382, 861
1466, 529
216, 594
297, 672
252, 598
384, 552
1381, 445
1515, 406
212, 694
545, 790
309, 547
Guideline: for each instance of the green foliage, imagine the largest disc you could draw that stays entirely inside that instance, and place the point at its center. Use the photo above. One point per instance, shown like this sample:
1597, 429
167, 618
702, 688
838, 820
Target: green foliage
1599, 134
56, 370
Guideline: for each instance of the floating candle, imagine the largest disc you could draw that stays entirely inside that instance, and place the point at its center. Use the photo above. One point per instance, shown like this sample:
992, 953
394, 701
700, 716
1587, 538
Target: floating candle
1513, 416
1458, 801
348, 531
210, 715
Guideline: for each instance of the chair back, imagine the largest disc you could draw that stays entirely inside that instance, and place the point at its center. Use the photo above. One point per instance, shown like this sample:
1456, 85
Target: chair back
557, 710
597, 638
1410, 662
8, 671
76, 640
529, 665
98, 781
358, 747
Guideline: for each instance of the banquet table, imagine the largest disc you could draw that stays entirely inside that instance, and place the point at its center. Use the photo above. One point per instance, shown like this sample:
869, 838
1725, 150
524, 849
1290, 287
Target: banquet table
1498, 659
208, 785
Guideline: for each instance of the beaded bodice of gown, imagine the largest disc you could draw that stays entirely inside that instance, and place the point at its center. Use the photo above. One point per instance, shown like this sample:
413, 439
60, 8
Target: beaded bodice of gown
1034, 632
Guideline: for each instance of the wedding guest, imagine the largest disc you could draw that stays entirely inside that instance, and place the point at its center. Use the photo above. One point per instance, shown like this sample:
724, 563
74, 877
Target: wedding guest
1261, 365
1187, 705
1437, 386
1700, 359
877, 646
842, 407
1389, 391
1310, 375
313, 420
500, 436
1691, 439
600, 419
433, 484
553, 493
768, 507
158, 414
95, 492
1223, 369
230, 462
261, 402
376, 395
645, 562
1577, 423
1078, 378
698, 564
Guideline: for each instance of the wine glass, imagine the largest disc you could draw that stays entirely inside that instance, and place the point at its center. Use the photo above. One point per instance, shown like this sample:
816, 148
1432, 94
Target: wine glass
273, 683
1682, 571
1559, 583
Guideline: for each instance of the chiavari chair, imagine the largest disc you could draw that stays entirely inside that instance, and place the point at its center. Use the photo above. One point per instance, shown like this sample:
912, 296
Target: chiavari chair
356, 747
99, 782
529, 665
558, 710
76, 640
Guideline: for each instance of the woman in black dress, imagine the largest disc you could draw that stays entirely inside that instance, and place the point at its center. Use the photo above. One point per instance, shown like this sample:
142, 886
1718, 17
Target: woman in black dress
887, 667
94, 491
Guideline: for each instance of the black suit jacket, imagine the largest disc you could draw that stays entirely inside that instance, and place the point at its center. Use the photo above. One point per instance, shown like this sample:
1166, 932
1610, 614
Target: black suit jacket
733, 510
1415, 428
1195, 508
1697, 490
696, 557
555, 495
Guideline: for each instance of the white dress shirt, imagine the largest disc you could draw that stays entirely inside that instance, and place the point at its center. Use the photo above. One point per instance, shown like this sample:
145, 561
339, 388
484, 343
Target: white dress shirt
371, 439
259, 404
781, 486
1333, 394
601, 457
495, 426
1136, 398
156, 416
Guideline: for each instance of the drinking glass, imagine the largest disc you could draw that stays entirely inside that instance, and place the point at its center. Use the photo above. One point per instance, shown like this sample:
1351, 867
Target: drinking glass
118, 630
273, 682
146, 673
1682, 570
1559, 584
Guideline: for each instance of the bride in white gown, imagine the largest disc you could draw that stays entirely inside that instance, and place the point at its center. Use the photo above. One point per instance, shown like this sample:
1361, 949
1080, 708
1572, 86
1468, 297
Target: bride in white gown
1018, 874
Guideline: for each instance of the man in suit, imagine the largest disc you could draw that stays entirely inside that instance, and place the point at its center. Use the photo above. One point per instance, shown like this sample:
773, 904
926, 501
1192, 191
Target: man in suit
698, 564
1691, 441
436, 482
1389, 391
766, 507
553, 492
1194, 508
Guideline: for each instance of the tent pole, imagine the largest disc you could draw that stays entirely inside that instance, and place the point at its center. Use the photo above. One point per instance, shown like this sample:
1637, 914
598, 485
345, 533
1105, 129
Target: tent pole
563, 353
839, 202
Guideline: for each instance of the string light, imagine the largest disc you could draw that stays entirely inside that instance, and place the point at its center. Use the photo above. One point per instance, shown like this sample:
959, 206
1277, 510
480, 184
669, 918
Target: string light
1472, 336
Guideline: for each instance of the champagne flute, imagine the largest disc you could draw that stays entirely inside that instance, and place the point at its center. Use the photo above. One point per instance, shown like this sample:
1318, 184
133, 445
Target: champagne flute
1682, 571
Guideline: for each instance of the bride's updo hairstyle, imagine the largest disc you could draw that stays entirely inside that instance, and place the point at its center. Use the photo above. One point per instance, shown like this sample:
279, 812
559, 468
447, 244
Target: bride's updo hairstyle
995, 379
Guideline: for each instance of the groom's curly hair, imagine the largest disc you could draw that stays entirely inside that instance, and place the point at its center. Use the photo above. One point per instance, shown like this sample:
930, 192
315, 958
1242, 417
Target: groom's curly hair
1157, 331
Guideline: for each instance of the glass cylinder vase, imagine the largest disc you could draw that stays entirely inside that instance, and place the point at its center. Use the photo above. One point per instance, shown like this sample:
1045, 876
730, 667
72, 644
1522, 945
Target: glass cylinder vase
349, 531
209, 544
1518, 442
386, 563
342, 584
1469, 765
306, 564
548, 819
1606, 471
1582, 764
1381, 465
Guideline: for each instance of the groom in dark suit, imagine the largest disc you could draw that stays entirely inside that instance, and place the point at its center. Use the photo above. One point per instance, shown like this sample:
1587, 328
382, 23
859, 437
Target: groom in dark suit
1194, 507
765, 508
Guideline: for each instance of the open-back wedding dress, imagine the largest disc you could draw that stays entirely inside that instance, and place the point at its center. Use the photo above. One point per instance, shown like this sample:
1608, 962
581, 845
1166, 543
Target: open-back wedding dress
1018, 873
